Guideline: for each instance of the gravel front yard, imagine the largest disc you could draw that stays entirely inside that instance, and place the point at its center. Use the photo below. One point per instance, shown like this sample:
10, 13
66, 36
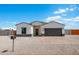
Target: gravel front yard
68, 45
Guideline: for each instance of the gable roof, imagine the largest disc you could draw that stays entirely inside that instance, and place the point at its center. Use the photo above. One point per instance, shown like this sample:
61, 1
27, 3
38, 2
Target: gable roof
43, 23
23, 23
55, 22
39, 22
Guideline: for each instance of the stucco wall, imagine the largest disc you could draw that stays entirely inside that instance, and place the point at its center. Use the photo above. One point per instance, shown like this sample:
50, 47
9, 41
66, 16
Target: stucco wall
63, 31
49, 25
28, 28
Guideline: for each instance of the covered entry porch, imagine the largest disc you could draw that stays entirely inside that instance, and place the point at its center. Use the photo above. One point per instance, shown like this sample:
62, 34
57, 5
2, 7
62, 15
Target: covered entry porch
36, 31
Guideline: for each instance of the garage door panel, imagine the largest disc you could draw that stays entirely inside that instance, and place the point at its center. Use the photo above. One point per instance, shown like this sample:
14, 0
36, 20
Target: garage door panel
53, 31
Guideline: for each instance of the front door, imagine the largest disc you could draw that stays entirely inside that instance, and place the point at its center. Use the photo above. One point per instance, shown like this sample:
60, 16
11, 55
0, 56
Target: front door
36, 32
23, 30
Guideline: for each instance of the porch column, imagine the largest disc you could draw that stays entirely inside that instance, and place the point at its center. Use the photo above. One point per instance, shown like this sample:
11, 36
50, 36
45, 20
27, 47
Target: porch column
32, 30
63, 31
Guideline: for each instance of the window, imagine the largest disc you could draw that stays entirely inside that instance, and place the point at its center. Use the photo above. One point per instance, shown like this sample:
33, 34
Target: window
23, 30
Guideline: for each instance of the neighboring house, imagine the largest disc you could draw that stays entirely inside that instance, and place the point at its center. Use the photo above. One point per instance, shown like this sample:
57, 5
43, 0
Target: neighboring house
4, 32
38, 28
72, 32
67, 32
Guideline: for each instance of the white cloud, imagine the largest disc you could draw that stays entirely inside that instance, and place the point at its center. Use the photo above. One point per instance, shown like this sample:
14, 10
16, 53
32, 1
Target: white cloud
10, 28
62, 20
67, 8
57, 18
64, 14
64, 10
72, 19
76, 18
59, 11
70, 23
67, 19
53, 18
71, 9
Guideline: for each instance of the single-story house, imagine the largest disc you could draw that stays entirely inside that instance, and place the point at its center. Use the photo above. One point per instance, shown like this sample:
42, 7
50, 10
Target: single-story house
38, 28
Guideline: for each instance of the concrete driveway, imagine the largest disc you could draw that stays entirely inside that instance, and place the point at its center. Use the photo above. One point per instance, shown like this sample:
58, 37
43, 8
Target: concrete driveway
52, 45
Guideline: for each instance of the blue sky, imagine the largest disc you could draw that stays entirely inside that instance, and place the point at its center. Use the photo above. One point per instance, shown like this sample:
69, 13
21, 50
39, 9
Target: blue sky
11, 14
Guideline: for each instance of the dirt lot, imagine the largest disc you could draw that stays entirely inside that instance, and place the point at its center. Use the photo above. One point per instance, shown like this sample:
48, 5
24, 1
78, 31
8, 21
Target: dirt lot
67, 45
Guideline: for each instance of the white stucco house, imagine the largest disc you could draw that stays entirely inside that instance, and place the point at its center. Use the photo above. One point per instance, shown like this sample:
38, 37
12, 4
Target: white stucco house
38, 28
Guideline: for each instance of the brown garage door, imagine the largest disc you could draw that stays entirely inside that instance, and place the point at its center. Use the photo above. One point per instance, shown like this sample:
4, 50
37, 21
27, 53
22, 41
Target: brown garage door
53, 31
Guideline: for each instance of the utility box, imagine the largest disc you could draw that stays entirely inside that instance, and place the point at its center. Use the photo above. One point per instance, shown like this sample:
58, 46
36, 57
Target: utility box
13, 37
13, 34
